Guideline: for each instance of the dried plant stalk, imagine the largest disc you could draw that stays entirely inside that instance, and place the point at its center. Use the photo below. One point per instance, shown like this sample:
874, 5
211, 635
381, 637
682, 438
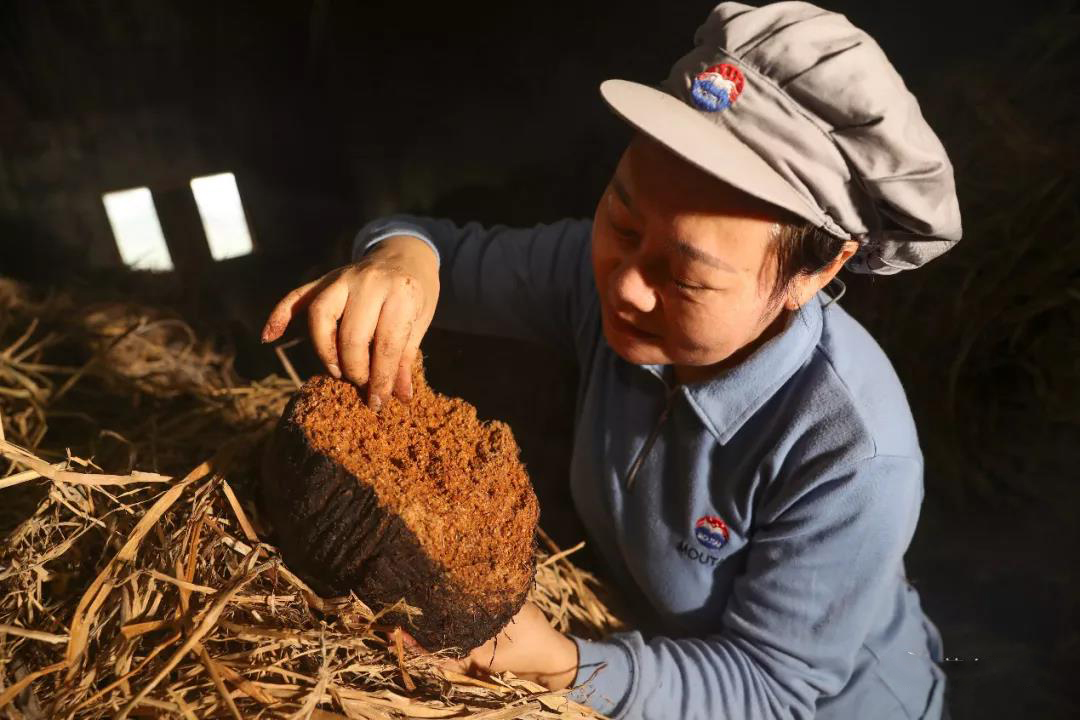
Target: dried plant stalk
126, 592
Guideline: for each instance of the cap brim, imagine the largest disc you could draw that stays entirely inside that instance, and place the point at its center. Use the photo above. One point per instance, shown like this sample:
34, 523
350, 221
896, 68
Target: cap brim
708, 146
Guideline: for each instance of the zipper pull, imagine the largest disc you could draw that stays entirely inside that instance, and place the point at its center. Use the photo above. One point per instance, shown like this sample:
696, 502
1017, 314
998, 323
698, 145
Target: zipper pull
650, 441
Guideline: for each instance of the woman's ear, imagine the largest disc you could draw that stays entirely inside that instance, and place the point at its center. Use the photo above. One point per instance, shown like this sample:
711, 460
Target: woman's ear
806, 286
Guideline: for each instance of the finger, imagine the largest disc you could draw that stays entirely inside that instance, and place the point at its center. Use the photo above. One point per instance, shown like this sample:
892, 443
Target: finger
403, 385
391, 334
354, 335
411, 642
453, 665
283, 312
406, 639
483, 657
323, 315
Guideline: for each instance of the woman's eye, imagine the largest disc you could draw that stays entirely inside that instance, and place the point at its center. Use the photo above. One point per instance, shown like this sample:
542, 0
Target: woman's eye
688, 286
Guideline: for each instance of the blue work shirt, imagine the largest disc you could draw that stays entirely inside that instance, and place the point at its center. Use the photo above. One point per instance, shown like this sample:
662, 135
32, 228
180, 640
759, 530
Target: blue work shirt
762, 515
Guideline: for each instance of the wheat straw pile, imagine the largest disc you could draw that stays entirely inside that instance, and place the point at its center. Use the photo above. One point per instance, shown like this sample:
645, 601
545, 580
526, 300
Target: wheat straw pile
133, 581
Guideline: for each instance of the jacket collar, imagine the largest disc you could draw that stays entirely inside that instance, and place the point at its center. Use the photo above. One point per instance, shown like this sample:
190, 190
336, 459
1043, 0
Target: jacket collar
725, 402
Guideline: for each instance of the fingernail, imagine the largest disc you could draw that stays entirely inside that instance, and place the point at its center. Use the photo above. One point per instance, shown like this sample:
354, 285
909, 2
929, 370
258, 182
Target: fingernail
334, 370
408, 393
375, 403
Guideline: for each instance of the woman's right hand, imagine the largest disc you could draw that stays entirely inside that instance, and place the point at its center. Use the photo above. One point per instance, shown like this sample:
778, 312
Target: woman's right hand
367, 319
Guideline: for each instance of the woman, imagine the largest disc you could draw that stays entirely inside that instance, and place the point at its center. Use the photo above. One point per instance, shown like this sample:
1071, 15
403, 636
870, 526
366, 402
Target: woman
745, 459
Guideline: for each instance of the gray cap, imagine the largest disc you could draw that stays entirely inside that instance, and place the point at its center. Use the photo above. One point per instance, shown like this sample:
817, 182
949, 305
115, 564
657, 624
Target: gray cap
795, 105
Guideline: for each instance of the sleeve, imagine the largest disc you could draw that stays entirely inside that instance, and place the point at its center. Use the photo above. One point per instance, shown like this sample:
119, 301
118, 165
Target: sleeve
527, 283
817, 572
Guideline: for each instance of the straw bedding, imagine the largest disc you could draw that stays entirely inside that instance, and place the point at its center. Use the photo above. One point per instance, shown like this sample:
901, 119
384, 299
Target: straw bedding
136, 579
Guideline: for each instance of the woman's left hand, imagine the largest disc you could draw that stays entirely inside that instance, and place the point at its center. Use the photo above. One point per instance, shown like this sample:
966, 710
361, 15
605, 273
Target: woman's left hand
528, 647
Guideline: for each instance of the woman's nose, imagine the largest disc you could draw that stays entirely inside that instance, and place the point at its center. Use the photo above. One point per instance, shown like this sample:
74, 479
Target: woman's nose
630, 289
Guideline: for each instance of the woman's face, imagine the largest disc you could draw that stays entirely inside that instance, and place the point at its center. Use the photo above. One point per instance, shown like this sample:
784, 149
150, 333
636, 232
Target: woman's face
682, 261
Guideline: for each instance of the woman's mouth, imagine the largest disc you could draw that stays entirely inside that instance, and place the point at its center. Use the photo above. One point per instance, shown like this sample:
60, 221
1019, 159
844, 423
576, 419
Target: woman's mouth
628, 329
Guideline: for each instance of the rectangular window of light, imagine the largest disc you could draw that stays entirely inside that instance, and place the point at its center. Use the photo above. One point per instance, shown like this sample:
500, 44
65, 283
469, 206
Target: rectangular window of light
135, 226
222, 215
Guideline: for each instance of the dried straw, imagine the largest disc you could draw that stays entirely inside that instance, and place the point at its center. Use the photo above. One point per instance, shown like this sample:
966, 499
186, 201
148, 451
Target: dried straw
128, 593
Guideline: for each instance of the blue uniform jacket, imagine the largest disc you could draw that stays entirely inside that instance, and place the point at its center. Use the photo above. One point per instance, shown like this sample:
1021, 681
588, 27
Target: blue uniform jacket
762, 516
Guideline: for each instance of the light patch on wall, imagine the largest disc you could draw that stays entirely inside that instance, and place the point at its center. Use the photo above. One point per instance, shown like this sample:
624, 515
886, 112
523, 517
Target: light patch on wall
222, 215
135, 226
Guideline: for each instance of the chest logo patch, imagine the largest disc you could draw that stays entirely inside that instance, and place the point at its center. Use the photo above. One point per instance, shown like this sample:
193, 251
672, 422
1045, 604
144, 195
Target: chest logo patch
711, 532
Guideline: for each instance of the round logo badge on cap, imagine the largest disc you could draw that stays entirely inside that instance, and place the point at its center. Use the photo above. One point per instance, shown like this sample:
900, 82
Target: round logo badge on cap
717, 88
711, 531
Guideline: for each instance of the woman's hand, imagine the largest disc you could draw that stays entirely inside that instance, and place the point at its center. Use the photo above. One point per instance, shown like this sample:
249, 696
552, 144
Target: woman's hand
528, 647
367, 319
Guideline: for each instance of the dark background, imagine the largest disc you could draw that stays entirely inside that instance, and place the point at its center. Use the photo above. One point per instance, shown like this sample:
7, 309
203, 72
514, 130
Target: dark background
332, 112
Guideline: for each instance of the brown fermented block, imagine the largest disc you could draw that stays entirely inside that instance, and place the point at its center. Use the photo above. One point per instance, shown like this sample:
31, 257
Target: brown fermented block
421, 502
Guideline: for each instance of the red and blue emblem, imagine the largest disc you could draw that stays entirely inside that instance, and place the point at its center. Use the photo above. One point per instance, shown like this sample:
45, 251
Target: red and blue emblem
711, 531
717, 88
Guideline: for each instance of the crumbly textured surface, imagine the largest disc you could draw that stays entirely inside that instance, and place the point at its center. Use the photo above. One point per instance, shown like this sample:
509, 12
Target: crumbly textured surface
421, 500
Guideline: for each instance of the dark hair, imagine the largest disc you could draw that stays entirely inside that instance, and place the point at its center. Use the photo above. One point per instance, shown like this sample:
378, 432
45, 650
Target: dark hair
800, 248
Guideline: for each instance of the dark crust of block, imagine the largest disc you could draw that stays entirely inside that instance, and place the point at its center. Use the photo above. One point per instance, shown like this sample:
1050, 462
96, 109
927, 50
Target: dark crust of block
334, 534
